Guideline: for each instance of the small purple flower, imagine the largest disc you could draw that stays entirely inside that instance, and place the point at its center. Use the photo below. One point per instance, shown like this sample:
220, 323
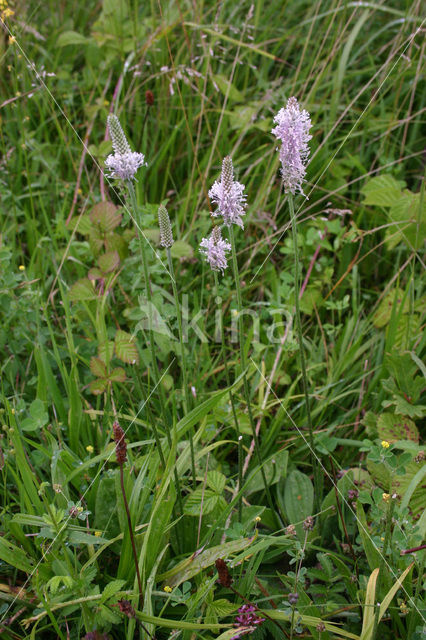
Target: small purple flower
228, 196
248, 617
214, 249
293, 130
124, 165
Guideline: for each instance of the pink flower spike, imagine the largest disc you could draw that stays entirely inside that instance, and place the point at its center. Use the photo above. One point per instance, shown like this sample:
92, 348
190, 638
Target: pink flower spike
293, 130
214, 250
229, 196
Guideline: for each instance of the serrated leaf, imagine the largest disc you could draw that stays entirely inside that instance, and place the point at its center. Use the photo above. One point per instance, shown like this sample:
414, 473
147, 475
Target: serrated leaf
125, 348
216, 481
106, 350
82, 290
111, 589
71, 38
97, 386
97, 367
108, 615
200, 501
392, 427
222, 607
105, 216
181, 249
382, 190
95, 274
109, 261
82, 224
117, 375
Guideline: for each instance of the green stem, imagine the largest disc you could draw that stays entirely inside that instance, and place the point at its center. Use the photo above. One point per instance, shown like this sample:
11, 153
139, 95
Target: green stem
132, 195
317, 480
234, 411
166, 418
243, 367
380, 580
420, 567
186, 396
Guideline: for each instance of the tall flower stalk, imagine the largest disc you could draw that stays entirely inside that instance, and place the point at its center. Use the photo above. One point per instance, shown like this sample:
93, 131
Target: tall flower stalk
166, 241
228, 195
123, 164
292, 131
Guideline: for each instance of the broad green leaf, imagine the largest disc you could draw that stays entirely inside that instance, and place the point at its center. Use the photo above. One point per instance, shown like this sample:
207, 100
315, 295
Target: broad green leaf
391, 427
196, 562
82, 290
382, 190
125, 348
413, 485
109, 261
98, 367
298, 498
410, 222
117, 375
105, 216
98, 386
216, 481
81, 537
71, 37
14, 556
275, 469
384, 312
227, 88
181, 249
81, 224
200, 501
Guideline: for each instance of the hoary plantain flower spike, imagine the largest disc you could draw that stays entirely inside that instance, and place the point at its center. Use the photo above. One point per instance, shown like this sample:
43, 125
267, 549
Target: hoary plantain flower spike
124, 162
166, 234
293, 130
118, 137
214, 249
229, 196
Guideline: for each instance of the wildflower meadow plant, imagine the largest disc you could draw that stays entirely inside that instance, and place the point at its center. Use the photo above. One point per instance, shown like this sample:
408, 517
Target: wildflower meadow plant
123, 163
231, 201
166, 241
292, 131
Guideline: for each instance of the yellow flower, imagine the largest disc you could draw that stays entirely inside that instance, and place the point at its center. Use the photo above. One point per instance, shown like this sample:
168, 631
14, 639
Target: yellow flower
168, 589
385, 444
12, 39
257, 519
98, 534
386, 497
7, 13
79, 509
89, 448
